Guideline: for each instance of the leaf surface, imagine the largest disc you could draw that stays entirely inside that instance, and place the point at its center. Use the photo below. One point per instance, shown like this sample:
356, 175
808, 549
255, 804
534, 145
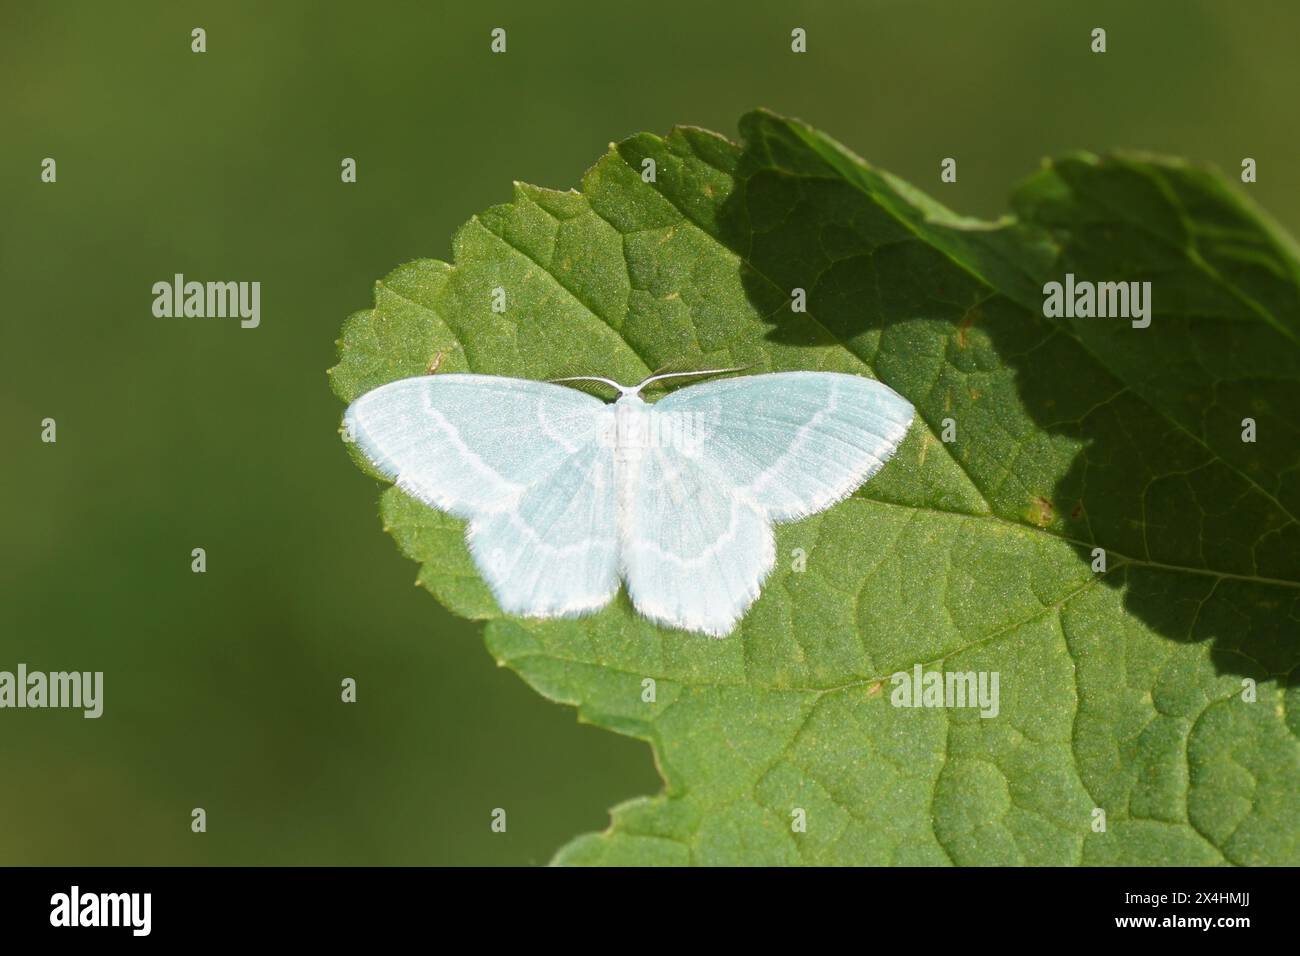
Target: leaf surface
1123, 691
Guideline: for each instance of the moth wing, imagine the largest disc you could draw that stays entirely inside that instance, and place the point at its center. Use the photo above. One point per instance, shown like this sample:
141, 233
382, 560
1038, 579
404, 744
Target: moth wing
794, 443
694, 553
527, 463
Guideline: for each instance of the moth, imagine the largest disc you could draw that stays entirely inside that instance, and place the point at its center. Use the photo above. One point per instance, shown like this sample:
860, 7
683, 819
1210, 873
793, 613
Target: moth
566, 495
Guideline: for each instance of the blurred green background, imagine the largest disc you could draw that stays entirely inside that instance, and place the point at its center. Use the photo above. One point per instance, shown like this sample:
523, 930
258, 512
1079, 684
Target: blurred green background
222, 689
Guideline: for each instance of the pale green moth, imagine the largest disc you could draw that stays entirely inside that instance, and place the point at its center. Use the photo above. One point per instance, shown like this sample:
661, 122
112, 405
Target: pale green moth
566, 494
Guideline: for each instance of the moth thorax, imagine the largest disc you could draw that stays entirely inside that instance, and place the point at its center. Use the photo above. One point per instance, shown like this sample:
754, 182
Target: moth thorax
632, 423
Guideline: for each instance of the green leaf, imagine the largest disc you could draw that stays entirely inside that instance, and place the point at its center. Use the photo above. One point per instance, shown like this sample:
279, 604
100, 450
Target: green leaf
1124, 690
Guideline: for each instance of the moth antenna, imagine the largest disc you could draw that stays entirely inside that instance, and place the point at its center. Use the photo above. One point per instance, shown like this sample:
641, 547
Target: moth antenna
623, 389
703, 371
